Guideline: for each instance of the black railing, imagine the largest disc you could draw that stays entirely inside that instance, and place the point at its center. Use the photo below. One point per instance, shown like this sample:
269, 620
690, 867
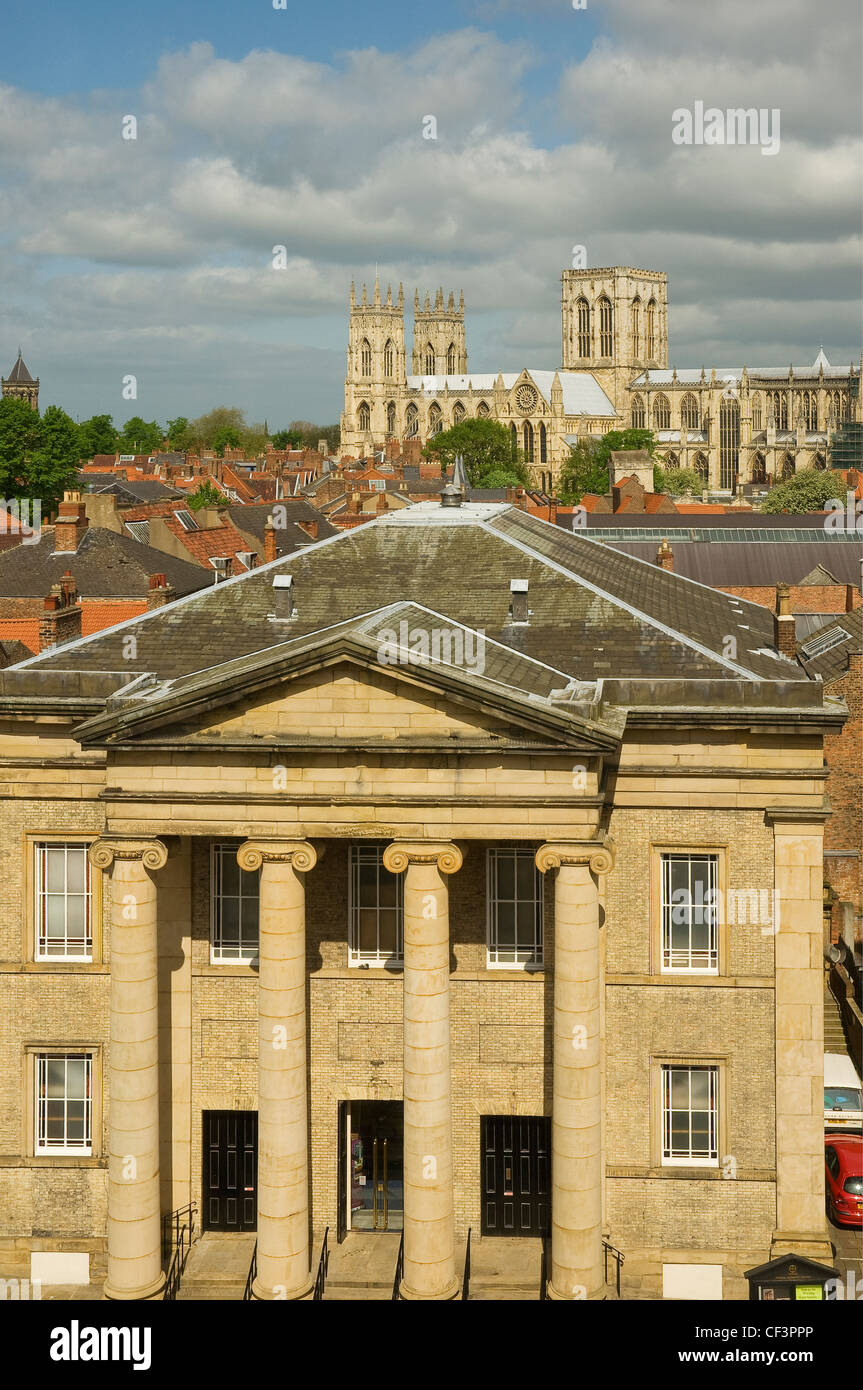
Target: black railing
543, 1271
178, 1232
618, 1259
251, 1276
400, 1270
843, 987
465, 1283
323, 1263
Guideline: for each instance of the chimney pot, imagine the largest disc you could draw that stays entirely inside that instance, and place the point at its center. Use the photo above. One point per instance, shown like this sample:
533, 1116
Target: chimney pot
518, 589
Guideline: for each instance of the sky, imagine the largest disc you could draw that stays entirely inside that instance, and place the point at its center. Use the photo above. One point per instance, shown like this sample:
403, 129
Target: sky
305, 127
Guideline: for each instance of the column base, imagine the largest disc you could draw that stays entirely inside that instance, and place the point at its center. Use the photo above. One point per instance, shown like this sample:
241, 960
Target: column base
411, 1296
149, 1291
598, 1296
815, 1245
263, 1295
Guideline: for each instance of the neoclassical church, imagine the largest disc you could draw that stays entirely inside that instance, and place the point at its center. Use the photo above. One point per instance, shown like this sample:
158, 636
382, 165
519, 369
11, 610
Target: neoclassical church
731, 425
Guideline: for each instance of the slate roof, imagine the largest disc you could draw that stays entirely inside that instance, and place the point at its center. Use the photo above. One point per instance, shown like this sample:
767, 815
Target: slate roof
105, 565
582, 393
833, 663
253, 519
593, 612
745, 565
19, 372
131, 490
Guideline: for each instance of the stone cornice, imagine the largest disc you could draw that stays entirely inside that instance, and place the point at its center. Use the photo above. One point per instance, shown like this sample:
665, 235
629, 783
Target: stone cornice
597, 854
252, 854
443, 853
102, 853
777, 815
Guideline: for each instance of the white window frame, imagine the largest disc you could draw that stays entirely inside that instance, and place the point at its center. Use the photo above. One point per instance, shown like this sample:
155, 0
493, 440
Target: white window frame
218, 848
360, 854
42, 1144
83, 950
689, 962
536, 959
676, 1159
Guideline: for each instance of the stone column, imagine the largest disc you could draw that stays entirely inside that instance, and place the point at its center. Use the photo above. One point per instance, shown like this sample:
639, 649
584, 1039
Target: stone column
283, 1103
134, 1218
798, 881
429, 1229
576, 1124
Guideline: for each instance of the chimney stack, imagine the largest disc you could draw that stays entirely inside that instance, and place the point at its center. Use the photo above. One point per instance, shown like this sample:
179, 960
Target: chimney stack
785, 636
310, 528
270, 540
159, 592
70, 525
283, 596
61, 617
665, 556
518, 600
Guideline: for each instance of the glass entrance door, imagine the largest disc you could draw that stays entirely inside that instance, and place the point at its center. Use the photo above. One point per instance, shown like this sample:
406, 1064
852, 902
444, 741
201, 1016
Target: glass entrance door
376, 1165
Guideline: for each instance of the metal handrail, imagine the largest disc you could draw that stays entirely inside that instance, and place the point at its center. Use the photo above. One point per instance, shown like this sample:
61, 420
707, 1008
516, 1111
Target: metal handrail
543, 1271
323, 1264
842, 988
178, 1233
400, 1270
617, 1257
465, 1283
251, 1276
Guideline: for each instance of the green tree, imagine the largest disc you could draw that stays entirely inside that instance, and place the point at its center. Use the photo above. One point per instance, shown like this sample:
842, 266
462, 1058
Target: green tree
807, 491
179, 434
53, 466
140, 436
226, 438
97, 436
676, 480
486, 448
223, 417
587, 468
20, 440
206, 495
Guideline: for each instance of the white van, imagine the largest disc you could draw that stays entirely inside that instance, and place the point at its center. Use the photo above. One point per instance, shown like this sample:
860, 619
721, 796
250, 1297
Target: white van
843, 1093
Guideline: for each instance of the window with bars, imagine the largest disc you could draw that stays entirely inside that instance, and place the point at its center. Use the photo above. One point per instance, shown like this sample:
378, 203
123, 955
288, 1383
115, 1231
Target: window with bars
690, 942
64, 1103
64, 901
234, 904
515, 908
375, 909
690, 1115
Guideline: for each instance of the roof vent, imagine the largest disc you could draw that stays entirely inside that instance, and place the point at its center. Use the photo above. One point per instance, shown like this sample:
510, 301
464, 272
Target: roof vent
283, 596
518, 600
451, 496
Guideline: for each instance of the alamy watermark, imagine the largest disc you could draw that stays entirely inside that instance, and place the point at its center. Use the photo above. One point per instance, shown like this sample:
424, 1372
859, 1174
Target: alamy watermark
21, 516
737, 125
420, 646
736, 907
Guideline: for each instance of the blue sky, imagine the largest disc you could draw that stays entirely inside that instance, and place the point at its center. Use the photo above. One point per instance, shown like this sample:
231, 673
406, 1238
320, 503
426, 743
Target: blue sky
303, 127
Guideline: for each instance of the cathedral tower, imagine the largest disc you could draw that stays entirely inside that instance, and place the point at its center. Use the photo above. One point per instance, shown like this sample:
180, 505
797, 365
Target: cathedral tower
376, 375
615, 324
439, 338
19, 385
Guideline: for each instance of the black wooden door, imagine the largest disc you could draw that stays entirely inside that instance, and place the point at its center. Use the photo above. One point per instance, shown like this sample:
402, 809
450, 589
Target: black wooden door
516, 1162
230, 1170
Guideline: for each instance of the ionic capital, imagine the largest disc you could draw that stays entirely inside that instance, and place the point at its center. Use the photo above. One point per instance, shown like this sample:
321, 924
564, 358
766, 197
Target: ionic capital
446, 856
102, 853
597, 854
298, 853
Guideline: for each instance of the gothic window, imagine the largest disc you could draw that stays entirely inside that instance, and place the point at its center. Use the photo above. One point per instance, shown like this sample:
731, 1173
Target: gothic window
836, 406
366, 358
513, 439
756, 413
364, 417
458, 413
435, 420
661, 413
808, 408
412, 419
819, 461
528, 441
689, 413
777, 406
583, 309
671, 460
429, 360
787, 467
451, 360
391, 419
543, 444
482, 411
651, 329
635, 327
389, 360
637, 413
699, 463
759, 469
605, 333
729, 442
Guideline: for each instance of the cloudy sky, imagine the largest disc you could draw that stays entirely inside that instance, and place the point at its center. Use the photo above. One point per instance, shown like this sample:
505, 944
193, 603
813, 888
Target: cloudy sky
303, 127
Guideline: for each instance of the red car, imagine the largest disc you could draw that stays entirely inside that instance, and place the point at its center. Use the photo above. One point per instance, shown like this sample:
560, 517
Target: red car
843, 1159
